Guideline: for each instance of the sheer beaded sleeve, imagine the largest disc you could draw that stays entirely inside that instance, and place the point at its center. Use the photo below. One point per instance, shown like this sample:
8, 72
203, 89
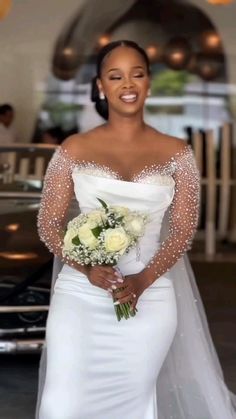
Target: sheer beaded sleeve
56, 198
184, 212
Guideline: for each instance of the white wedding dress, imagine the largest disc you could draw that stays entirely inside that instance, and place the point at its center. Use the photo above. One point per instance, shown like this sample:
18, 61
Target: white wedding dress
159, 364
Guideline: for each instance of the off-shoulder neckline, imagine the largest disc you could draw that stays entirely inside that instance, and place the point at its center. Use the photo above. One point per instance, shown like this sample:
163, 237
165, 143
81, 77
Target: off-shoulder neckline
159, 167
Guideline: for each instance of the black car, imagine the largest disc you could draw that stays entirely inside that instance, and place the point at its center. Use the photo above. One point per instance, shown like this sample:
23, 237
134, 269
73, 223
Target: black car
23, 312
25, 269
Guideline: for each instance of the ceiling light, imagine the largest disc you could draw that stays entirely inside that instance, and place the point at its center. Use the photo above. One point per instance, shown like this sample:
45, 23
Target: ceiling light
5, 7
12, 227
18, 256
220, 2
154, 52
103, 40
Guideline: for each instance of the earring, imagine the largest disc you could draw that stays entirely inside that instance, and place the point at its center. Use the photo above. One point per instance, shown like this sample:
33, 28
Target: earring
101, 95
149, 92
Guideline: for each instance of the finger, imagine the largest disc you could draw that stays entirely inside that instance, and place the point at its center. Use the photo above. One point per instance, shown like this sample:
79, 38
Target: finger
100, 282
122, 293
110, 273
105, 277
118, 274
110, 280
127, 299
113, 278
107, 287
107, 269
133, 304
110, 277
120, 279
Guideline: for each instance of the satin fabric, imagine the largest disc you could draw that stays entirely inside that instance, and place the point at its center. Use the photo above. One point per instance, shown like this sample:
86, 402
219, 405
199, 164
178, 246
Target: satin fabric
98, 367
146, 367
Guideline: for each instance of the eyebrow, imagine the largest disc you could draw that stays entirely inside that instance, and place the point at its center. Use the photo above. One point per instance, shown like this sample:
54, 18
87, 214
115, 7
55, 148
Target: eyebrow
134, 67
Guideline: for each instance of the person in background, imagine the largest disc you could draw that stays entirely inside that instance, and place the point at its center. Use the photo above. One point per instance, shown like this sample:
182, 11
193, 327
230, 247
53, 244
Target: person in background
53, 136
7, 135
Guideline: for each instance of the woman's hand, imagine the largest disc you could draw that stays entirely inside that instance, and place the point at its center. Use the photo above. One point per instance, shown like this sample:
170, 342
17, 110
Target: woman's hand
133, 285
105, 277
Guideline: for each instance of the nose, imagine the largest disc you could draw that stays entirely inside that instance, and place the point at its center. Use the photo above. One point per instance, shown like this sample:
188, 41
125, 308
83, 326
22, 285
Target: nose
128, 83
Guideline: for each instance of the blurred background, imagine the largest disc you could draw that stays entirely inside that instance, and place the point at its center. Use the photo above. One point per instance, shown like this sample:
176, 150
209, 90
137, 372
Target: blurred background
47, 60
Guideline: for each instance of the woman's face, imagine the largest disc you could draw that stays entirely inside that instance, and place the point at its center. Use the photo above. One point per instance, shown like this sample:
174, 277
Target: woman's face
124, 80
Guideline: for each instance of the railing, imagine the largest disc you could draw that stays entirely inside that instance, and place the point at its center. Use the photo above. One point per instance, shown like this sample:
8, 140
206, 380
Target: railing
21, 162
216, 165
28, 163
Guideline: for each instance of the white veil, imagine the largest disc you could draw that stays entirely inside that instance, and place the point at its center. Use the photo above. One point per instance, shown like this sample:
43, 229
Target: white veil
191, 383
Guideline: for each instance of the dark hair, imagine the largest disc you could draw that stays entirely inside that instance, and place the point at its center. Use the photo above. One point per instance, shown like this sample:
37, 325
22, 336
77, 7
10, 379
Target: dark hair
6, 108
101, 105
57, 133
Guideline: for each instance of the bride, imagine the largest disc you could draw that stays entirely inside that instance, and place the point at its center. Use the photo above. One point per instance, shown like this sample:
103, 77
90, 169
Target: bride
161, 363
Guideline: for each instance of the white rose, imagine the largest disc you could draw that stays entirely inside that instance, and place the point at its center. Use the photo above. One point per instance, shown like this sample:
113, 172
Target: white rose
70, 234
95, 218
86, 236
116, 240
122, 211
134, 225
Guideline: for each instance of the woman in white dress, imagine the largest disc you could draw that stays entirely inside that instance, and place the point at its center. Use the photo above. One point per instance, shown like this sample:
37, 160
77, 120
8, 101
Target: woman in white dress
160, 363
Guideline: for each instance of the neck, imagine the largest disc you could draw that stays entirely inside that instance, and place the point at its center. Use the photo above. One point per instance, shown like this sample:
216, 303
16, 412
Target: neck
126, 127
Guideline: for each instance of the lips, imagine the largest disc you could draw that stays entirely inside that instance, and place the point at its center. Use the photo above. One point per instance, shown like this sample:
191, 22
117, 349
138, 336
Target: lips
129, 97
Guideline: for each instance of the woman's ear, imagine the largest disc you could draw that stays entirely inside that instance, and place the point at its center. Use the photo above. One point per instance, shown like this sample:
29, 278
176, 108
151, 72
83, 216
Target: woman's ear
99, 85
100, 89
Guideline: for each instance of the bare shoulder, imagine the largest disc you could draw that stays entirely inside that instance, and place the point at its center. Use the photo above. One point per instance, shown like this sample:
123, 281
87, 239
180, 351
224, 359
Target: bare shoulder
168, 146
72, 145
78, 145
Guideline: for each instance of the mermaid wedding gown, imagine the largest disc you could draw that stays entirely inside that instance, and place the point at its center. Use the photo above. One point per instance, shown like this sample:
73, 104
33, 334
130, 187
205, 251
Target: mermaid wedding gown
162, 362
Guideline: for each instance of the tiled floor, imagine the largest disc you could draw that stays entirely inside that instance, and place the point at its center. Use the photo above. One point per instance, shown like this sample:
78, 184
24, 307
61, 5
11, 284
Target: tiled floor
217, 283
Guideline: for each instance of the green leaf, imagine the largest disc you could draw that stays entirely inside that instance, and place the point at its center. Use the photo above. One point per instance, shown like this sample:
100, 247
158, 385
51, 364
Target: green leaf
103, 203
76, 240
96, 231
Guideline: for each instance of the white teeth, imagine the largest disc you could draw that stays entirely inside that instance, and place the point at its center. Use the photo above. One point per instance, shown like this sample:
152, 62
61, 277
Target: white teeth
129, 98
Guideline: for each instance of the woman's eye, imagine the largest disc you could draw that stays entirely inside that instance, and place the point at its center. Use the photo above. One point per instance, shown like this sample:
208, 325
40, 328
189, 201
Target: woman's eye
115, 77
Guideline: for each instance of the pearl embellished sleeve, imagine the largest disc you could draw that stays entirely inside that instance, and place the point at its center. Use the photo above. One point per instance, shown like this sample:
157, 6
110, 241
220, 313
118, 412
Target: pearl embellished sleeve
183, 218
57, 193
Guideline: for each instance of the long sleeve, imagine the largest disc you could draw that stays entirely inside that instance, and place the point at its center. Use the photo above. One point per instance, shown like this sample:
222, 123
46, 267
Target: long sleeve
56, 197
183, 218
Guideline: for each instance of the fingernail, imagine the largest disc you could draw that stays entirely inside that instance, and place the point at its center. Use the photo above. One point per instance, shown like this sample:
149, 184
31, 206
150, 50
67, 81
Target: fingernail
117, 274
114, 287
116, 303
109, 290
120, 280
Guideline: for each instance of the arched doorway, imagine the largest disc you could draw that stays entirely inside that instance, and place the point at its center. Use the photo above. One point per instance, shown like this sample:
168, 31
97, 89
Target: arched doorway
186, 64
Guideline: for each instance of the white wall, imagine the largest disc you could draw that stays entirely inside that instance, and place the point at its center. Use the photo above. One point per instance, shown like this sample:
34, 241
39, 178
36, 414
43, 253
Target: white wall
223, 17
27, 37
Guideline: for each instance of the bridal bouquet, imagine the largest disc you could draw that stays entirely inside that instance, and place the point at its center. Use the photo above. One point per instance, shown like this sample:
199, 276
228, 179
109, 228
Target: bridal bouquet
102, 236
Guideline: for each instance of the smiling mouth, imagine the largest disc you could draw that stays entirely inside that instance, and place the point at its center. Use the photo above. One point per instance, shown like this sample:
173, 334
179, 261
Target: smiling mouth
129, 98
